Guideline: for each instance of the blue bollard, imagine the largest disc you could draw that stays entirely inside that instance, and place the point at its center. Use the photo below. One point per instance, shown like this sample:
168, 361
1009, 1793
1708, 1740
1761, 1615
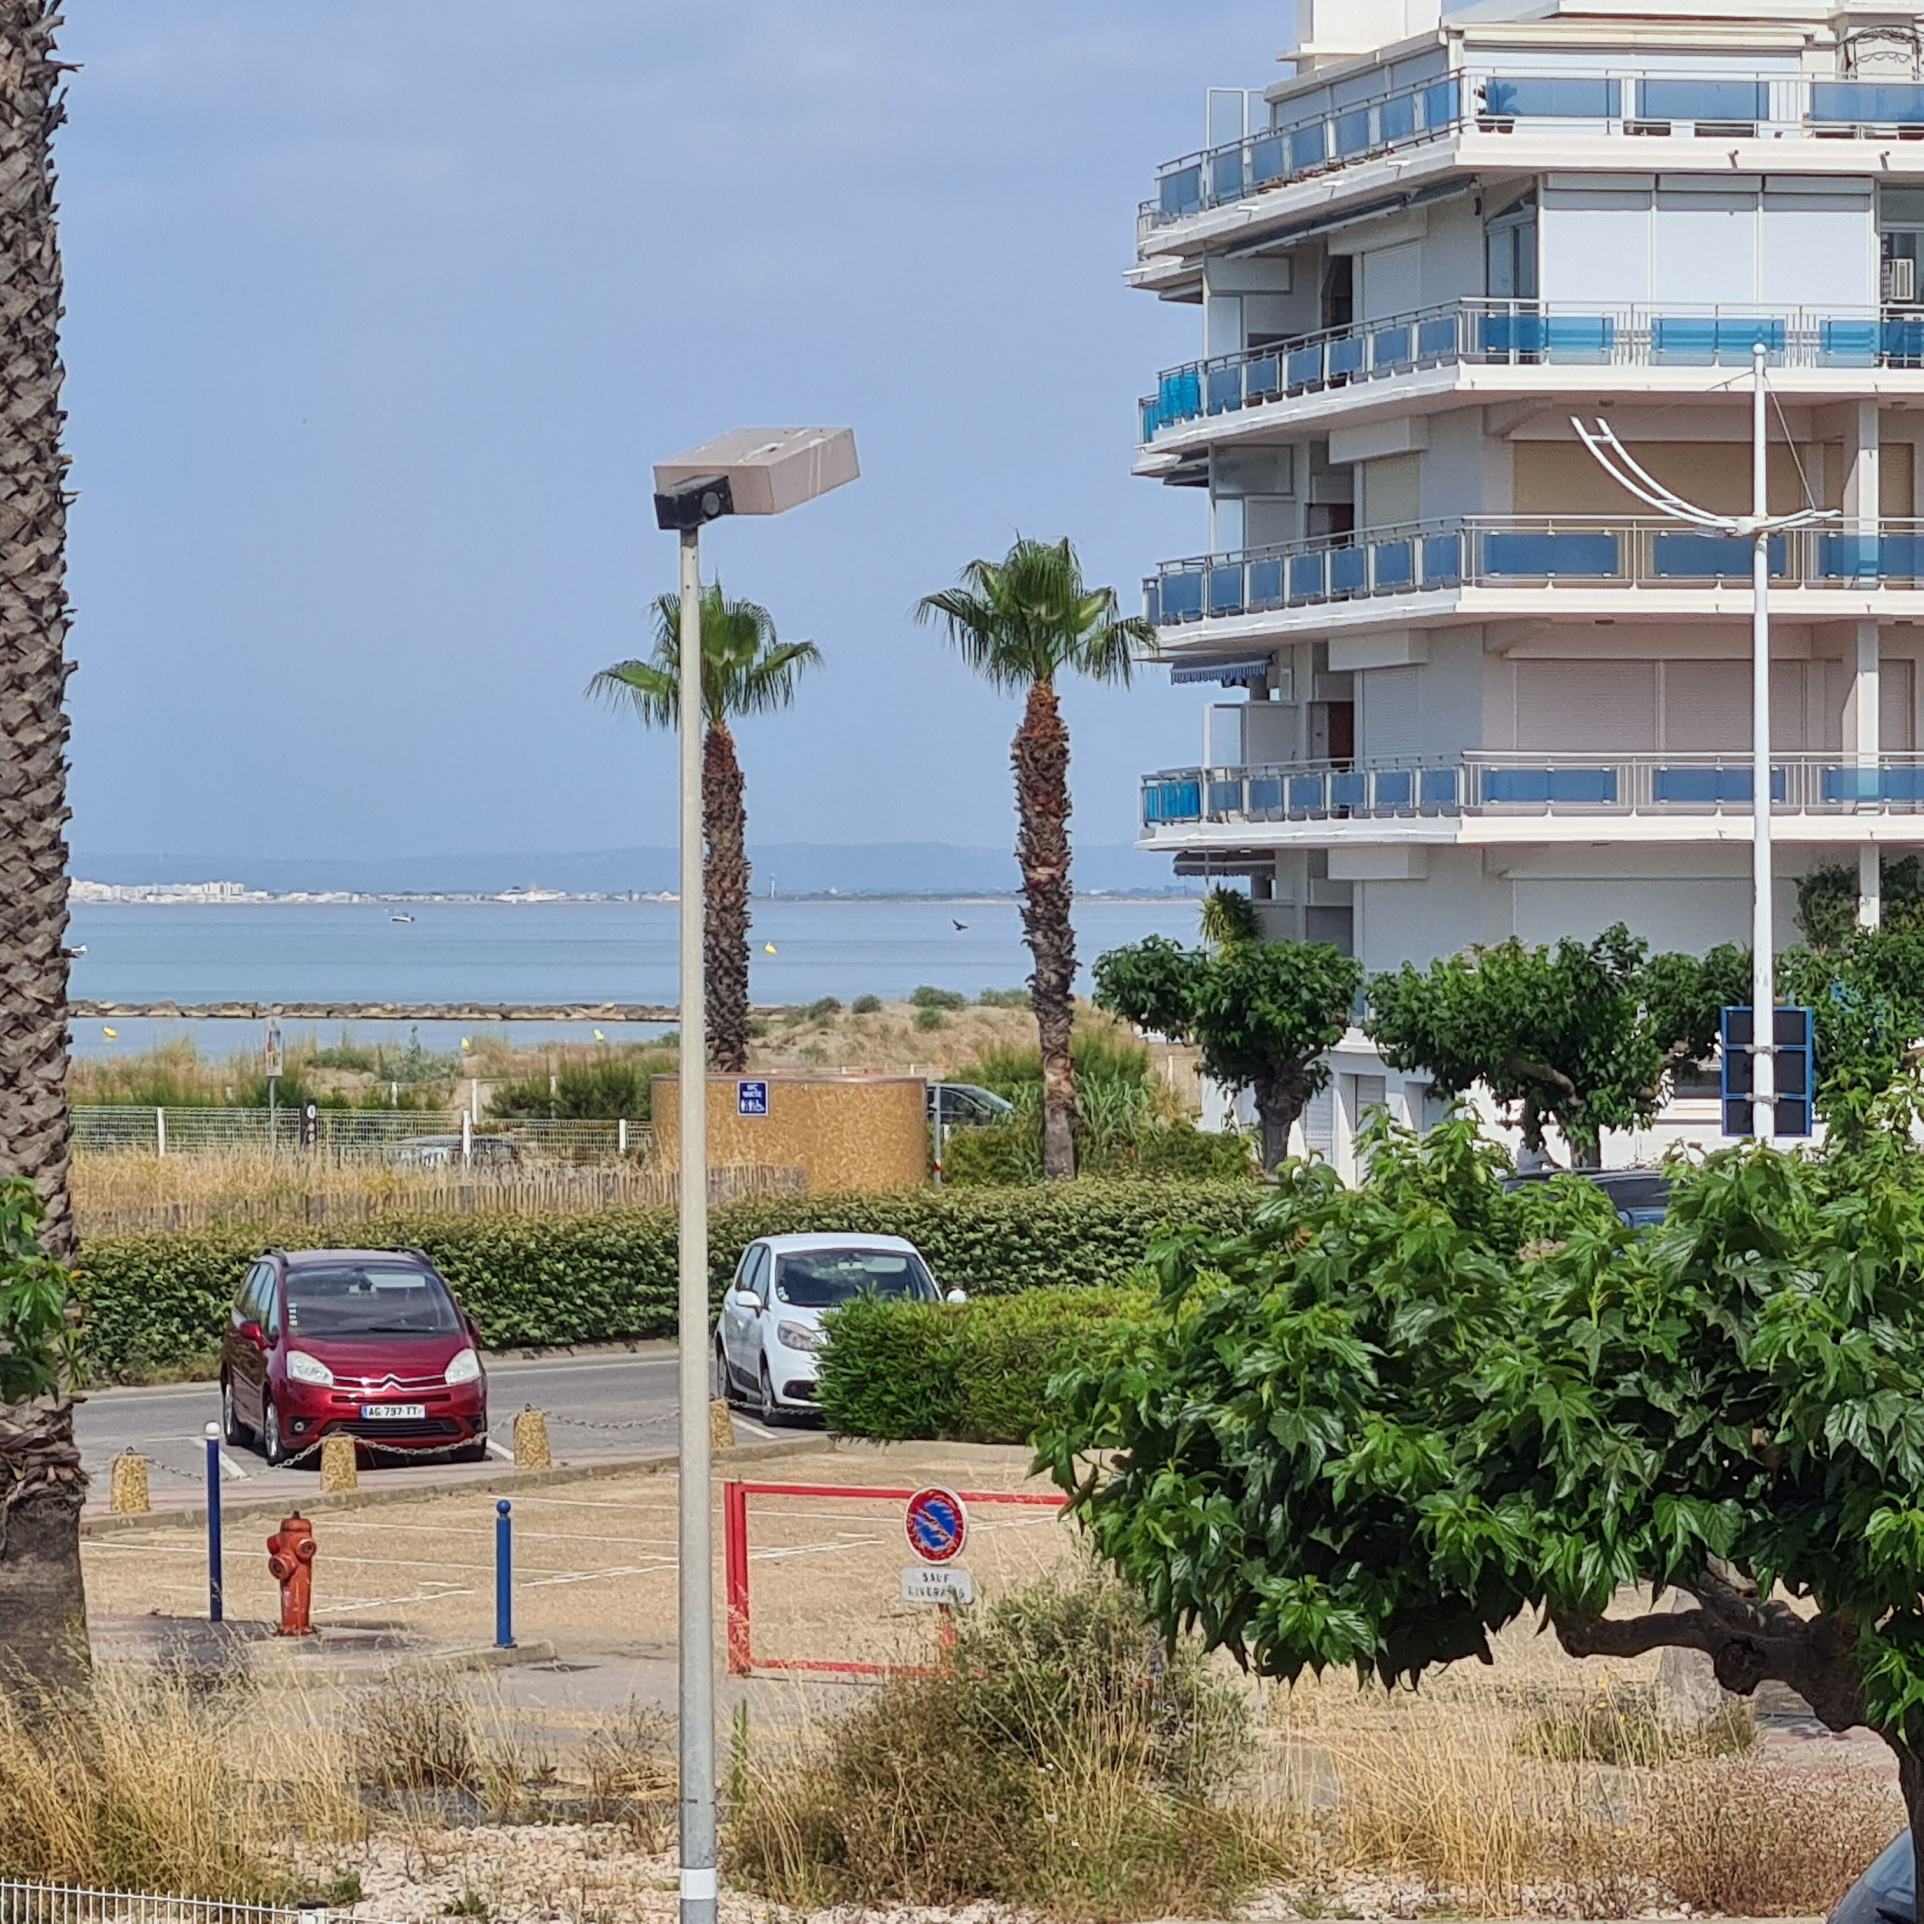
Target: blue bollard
503, 1576
213, 1524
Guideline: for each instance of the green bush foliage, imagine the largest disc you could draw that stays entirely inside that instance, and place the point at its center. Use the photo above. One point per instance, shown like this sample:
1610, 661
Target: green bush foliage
926, 997
605, 1090
1011, 1152
967, 1372
866, 1005
153, 1301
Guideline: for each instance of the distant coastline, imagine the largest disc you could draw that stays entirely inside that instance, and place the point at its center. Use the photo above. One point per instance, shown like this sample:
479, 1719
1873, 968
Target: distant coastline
236, 895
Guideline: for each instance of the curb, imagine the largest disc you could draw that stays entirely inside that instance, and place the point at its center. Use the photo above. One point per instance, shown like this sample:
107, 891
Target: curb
508, 1482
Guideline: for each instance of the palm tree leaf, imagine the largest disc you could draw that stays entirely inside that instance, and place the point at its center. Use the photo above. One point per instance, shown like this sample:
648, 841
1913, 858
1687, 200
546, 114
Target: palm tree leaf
745, 668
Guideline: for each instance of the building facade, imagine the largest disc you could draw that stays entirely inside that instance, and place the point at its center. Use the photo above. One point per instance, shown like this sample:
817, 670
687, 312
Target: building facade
1471, 687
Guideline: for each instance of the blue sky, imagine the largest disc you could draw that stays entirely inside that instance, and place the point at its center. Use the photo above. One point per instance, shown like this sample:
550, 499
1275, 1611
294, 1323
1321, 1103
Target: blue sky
380, 310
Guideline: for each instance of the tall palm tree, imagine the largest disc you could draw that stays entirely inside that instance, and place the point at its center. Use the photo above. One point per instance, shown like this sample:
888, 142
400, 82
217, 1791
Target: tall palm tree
42, 1604
745, 670
1020, 623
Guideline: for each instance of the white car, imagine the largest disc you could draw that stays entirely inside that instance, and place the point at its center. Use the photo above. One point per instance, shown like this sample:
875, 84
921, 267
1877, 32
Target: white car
771, 1317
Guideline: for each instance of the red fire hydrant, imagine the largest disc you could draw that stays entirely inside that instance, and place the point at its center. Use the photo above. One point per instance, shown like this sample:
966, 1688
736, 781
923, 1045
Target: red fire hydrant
290, 1560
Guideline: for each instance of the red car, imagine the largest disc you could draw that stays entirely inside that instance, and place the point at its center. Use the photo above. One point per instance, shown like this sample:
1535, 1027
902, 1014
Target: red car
365, 1341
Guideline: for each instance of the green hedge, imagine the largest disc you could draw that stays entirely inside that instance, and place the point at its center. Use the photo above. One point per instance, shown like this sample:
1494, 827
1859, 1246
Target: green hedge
974, 1373
154, 1301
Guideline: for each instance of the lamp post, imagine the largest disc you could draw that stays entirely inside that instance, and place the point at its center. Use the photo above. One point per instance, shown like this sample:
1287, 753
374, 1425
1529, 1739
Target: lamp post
1759, 529
751, 471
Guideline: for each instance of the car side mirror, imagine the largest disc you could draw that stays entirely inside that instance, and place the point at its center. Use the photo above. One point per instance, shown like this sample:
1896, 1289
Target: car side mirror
956, 1296
746, 1299
253, 1333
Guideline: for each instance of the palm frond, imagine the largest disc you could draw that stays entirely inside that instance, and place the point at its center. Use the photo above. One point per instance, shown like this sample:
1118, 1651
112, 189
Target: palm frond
745, 668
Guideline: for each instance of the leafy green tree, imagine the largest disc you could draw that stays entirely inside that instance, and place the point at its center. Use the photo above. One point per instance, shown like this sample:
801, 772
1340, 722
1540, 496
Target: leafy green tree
1262, 1014
1022, 623
1582, 1035
1388, 1421
745, 670
1827, 900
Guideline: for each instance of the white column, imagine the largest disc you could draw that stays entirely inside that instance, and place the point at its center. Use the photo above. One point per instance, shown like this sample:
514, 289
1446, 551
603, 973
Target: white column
1863, 504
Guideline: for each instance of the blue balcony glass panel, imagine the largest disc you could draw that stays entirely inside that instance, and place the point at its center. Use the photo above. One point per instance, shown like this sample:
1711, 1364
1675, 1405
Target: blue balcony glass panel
1151, 420
1436, 340
1573, 98
1179, 395
1308, 794
1344, 356
1903, 341
1543, 787
1349, 571
1847, 343
1353, 133
1267, 160
1903, 784
1584, 787
1442, 104
1703, 100
1304, 367
1308, 147
1540, 556
1152, 604
1225, 798
1697, 340
1728, 786
1586, 340
1436, 788
1181, 192
1396, 119
1182, 596
1391, 347
1510, 334
1262, 379
1710, 557
1265, 795
1852, 784
1903, 557
1514, 786
1266, 583
1850, 557
1308, 574
1395, 787
1860, 101
1226, 174
1181, 801
1349, 788
1224, 386
1151, 806
1395, 565
1226, 590
1442, 558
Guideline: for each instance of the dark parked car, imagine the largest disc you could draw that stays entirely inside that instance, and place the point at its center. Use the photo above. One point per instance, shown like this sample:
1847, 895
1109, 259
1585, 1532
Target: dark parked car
1886, 1893
962, 1105
1641, 1195
366, 1341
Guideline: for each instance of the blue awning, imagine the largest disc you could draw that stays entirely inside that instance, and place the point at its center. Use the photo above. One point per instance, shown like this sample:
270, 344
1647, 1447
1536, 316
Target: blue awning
1231, 674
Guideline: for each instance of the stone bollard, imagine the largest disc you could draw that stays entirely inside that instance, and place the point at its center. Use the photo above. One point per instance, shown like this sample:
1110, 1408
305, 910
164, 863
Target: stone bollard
129, 1495
721, 1424
339, 1470
531, 1450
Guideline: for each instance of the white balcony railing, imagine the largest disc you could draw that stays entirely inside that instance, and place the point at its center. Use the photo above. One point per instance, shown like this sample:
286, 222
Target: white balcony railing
1490, 333
1624, 105
1519, 552
1529, 783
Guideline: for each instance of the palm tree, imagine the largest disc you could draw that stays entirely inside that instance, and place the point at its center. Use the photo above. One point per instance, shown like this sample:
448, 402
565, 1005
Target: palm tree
745, 670
42, 1604
1020, 623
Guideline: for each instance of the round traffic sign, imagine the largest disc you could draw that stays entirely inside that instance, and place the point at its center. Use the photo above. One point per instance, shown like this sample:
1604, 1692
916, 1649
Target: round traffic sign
937, 1525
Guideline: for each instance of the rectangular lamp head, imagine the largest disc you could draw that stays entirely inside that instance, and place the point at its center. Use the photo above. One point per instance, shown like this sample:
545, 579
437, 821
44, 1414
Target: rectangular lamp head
767, 470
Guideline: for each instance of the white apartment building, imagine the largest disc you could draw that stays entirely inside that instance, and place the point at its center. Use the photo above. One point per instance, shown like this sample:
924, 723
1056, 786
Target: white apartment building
1483, 691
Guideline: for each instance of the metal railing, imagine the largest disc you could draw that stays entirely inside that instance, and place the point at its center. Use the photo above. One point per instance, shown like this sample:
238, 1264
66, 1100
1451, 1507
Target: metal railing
1483, 782
22, 1902
1625, 105
1493, 333
1518, 551
426, 1138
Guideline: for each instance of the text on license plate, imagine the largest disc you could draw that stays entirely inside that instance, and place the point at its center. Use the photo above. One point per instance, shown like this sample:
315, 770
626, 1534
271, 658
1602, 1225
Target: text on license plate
393, 1412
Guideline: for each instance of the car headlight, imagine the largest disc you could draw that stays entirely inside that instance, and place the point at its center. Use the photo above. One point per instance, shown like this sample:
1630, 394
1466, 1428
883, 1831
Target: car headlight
799, 1336
304, 1368
465, 1367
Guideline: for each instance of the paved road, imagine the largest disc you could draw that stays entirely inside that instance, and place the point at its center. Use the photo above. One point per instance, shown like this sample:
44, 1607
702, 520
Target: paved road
606, 1403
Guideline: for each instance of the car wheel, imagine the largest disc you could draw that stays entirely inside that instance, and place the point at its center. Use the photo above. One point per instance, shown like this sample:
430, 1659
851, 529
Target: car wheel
765, 1408
721, 1385
232, 1429
272, 1447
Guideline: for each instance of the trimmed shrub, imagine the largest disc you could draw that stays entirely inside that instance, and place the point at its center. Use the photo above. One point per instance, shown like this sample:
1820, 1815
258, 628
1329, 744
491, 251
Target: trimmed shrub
926, 997
153, 1301
1004, 1153
972, 1373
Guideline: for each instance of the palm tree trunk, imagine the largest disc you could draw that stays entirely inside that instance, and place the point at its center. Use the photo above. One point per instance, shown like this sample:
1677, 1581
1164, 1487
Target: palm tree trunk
1040, 757
724, 824
41, 1601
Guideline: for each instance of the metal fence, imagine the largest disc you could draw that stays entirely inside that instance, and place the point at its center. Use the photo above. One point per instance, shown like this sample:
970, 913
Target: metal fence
424, 1138
28, 1903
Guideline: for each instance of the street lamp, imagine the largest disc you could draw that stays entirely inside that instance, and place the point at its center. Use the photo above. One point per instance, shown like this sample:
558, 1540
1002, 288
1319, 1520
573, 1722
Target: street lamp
1758, 527
751, 471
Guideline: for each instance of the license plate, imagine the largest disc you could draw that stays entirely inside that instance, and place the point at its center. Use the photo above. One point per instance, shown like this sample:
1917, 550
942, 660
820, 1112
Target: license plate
393, 1412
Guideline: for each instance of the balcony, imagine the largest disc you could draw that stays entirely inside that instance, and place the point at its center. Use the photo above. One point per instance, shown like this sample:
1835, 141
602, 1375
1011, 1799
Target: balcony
1518, 552
1530, 786
1627, 106
1488, 333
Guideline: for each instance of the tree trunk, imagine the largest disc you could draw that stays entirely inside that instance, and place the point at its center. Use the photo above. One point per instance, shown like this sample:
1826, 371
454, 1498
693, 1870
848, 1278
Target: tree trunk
42, 1608
1279, 1101
724, 825
1040, 757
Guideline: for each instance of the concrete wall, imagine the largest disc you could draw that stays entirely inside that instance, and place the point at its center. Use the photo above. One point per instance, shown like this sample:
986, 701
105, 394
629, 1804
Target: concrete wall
842, 1132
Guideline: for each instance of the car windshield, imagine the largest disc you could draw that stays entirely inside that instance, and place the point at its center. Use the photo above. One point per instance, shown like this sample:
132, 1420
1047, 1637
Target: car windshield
368, 1299
822, 1278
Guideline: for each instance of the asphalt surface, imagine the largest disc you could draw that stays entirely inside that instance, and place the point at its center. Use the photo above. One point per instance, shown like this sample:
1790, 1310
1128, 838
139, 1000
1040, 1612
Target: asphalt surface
602, 1404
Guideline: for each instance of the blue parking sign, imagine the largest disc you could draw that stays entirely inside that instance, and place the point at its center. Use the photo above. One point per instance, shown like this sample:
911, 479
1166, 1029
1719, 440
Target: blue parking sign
751, 1098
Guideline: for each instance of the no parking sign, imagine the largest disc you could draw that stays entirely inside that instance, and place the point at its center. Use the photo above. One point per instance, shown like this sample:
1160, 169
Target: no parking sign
937, 1525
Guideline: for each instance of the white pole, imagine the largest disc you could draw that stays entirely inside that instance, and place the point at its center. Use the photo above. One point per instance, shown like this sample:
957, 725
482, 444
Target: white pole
696, 1622
1763, 965
160, 1132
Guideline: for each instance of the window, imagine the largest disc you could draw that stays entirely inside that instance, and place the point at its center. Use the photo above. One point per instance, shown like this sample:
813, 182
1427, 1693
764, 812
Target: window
1510, 252
368, 1299
821, 1279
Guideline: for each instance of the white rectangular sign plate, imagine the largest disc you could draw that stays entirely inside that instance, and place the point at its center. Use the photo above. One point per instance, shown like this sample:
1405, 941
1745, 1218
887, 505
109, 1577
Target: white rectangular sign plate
937, 1583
